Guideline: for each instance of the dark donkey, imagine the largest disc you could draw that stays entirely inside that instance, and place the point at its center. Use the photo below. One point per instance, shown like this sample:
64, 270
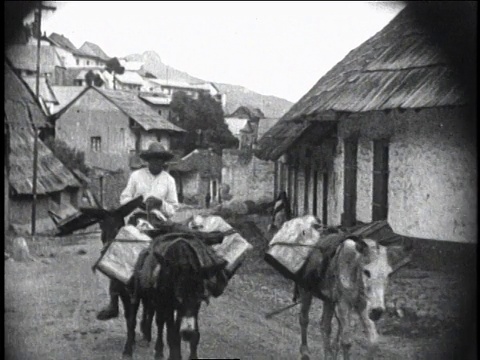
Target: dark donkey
111, 221
169, 280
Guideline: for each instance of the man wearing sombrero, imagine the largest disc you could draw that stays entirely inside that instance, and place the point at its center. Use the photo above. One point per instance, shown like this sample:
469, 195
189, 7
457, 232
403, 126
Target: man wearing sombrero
159, 192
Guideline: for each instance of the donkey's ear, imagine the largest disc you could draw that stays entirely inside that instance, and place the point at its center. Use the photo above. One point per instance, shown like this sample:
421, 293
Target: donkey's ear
127, 208
96, 213
347, 263
360, 245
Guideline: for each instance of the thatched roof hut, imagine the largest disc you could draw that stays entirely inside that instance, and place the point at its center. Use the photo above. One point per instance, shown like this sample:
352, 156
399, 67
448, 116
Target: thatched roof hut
398, 68
21, 107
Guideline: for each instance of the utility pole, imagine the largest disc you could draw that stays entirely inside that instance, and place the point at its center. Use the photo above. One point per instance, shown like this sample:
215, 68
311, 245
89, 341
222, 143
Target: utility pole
38, 15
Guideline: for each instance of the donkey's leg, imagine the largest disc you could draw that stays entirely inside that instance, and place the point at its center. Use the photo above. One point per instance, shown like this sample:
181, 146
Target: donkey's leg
195, 338
372, 333
305, 303
343, 315
147, 319
131, 309
326, 327
173, 335
160, 312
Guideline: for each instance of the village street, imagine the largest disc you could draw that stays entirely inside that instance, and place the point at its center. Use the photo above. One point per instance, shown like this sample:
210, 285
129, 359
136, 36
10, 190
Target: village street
50, 308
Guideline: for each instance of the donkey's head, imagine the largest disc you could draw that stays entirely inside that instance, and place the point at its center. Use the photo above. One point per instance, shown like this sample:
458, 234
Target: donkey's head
363, 272
110, 222
181, 279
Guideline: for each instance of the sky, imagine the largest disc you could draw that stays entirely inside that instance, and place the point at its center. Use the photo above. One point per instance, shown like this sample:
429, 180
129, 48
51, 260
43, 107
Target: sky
273, 48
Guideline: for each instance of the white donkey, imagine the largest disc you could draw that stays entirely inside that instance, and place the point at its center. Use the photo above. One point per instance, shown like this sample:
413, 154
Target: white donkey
353, 278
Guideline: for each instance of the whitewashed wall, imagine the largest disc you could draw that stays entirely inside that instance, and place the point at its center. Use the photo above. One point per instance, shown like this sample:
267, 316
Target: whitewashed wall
433, 172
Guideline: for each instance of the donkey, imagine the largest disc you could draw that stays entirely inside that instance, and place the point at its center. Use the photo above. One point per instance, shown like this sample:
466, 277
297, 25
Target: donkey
351, 276
110, 223
175, 294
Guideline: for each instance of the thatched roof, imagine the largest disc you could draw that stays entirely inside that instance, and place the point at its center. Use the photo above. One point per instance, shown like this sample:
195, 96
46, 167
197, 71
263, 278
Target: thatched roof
265, 124
52, 175
20, 100
204, 161
24, 57
132, 106
399, 67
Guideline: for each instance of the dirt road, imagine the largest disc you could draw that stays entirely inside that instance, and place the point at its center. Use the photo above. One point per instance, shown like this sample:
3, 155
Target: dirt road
50, 309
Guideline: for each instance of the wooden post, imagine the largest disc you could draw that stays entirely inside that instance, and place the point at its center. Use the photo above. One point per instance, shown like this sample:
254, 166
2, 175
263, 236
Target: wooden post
38, 15
275, 181
34, 180
7, 174
101, 191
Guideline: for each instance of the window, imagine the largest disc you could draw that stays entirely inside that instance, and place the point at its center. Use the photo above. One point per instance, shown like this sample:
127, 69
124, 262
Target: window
88, 62
159, 112
78, 61
96, 144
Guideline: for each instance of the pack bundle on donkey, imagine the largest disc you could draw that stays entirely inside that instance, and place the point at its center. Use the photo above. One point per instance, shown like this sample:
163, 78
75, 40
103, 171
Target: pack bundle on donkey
348, 271
182, 266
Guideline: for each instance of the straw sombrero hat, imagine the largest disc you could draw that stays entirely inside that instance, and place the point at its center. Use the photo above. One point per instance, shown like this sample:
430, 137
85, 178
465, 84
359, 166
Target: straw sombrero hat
156, 151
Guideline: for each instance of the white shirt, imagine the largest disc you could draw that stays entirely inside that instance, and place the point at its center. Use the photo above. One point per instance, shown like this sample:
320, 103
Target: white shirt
162, 186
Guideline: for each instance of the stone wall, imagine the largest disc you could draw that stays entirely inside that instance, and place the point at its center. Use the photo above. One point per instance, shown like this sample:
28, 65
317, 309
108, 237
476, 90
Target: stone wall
248, 180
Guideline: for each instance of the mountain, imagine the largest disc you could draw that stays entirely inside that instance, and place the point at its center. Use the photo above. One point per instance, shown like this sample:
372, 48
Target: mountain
271, 106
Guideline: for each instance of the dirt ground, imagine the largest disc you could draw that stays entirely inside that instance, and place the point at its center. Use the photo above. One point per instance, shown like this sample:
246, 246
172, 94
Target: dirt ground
50, 308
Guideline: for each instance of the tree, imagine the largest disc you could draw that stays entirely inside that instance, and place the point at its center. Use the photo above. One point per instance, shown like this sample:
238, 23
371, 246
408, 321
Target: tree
113, 66
93, 79
204, 121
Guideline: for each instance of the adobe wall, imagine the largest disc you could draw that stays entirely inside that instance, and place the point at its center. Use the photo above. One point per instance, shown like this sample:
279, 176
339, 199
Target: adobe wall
252, 180
433, 171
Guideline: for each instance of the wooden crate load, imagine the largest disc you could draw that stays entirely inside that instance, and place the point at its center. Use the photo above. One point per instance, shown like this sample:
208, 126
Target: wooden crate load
292, 245
233, 248
119, 259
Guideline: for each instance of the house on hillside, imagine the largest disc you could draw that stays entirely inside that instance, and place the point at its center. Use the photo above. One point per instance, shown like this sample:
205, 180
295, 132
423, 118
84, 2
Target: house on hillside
110, 125
170, 87
158, 102
243, 123
129, 80
24, 61
382, 136
73, 57
57, 187
94, 50
198, 174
